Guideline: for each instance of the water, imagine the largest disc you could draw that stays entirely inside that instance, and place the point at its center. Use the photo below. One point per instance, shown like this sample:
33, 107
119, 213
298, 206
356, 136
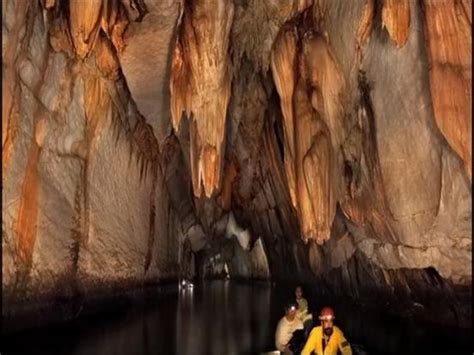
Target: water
224, 317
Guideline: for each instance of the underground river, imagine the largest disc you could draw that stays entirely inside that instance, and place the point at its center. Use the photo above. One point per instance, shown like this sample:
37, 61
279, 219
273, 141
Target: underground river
224, 317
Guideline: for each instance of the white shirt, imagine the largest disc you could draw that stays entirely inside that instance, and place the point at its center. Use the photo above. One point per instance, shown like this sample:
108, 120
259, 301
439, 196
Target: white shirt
285, 330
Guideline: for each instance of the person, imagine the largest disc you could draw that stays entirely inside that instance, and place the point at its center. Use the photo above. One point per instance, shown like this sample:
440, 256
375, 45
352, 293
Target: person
302, 312
287, 325
326, 339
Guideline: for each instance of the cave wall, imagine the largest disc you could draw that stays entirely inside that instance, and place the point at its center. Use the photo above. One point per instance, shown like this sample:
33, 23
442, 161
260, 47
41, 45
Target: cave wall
85, 201
321, 141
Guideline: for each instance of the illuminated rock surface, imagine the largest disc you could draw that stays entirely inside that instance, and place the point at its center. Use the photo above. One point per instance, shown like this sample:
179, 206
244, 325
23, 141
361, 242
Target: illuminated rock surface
326, 142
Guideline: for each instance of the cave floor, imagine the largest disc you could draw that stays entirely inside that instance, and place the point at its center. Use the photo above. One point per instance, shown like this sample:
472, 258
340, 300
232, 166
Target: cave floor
224, 317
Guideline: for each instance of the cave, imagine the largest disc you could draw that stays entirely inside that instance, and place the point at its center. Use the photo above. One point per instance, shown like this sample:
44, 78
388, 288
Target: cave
173, 169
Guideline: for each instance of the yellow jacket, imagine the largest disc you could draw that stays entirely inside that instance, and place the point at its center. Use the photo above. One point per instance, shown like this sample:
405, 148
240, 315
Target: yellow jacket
336, 341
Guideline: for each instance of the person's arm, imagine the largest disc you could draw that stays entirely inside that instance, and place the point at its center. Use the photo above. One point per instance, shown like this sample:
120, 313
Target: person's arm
310, 344
278, 338
344, 345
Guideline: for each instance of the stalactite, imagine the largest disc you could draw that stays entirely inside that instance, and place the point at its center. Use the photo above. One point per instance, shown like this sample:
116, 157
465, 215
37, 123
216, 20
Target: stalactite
396, 18
201, 67
448, 36
84, 21
327, 84
114, 22
301, 157
256, 26
180, 92
317, 173
106, 59
365, 25
87, 18
283, 64
313, 151
314, 126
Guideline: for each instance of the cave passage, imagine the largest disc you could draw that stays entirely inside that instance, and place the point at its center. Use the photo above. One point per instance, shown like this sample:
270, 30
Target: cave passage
226, 317
321, 142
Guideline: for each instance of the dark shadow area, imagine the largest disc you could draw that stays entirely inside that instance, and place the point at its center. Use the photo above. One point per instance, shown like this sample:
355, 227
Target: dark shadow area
225, 317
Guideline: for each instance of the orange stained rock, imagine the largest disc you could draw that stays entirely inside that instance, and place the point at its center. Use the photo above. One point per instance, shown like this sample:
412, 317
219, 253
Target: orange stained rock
225, 199
283, 69
84, 22
96, 104
116, 23
365, 24
317, 174
49, 4
180, 93
110, 14
313, 168
313, 126
448, 34
10, 89
327, 84
396, 18
200, 85
327, 88
10, 126
106, 59
86, 18
353, 211
26, 222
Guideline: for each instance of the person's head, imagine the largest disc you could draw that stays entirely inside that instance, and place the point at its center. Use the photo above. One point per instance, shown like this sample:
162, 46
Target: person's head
298, 292
290, 310
327, 320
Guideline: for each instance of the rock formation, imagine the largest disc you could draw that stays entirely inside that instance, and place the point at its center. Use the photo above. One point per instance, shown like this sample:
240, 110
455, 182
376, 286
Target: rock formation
318, 141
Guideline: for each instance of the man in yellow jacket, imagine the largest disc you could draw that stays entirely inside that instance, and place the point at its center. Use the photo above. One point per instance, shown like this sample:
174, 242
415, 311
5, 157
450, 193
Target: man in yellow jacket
326, 339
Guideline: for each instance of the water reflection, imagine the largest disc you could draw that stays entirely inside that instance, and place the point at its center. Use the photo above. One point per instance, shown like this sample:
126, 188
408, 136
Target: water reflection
381, 334
224, 317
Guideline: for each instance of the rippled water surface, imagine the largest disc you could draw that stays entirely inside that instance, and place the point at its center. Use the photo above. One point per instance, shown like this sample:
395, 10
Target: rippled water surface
224, 317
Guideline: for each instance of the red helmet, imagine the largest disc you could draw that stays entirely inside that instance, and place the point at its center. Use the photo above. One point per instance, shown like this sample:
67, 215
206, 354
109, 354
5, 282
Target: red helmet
327, 313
